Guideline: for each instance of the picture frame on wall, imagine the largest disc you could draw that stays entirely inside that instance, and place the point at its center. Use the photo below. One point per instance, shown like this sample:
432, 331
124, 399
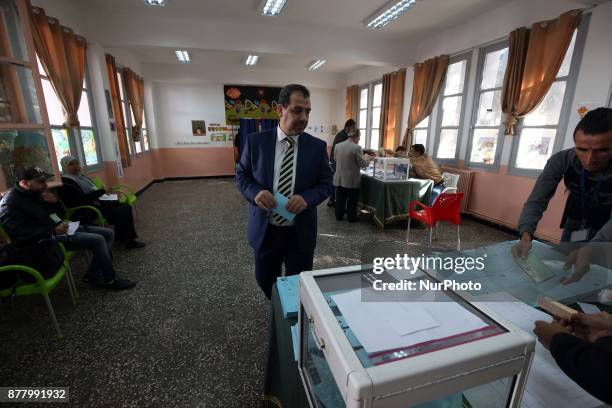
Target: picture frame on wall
198, 127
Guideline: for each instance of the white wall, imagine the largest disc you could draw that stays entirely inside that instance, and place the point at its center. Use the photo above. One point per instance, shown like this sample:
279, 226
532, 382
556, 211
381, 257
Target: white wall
68, 15
177, 104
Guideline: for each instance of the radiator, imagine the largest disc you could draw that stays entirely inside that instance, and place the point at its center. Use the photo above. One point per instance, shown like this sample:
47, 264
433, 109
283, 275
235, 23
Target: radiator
465, 184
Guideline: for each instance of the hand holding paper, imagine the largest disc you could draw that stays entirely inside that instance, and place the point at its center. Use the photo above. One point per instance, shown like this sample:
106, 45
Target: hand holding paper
281, 207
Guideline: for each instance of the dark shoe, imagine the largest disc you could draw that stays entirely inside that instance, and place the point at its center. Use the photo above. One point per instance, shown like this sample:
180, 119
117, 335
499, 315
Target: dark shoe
120, 284
133, 244
331, 203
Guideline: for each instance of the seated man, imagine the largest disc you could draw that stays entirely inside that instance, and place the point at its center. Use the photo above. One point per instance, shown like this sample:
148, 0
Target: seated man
423, 166
29, 213
80, 190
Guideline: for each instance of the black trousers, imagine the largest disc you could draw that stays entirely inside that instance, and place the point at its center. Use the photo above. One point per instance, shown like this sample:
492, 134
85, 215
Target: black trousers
346, 202
280, 247
120, 215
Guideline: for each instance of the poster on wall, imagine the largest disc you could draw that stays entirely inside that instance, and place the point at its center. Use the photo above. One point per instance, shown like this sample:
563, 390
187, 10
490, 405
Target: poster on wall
250, 102
220, 133
198, 127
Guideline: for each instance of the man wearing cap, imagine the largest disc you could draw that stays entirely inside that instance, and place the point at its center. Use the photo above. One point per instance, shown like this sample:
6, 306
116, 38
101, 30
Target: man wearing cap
80, 190
29, 213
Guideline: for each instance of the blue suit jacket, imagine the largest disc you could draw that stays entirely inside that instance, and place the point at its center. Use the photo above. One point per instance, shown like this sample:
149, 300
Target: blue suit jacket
313, 181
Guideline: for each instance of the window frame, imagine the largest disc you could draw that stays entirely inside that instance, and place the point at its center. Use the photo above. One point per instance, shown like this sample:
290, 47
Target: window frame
571, 80
75, 140
364, 129
482, 54
428, 128
128, 120
467, 56
366, 135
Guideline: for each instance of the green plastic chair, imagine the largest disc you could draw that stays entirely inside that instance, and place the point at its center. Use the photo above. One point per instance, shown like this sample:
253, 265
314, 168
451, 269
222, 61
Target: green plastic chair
70, 212
127, 196
68, 255
41, 287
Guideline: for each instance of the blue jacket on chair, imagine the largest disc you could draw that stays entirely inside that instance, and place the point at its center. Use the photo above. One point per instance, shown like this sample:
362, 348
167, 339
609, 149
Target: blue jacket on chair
313, 181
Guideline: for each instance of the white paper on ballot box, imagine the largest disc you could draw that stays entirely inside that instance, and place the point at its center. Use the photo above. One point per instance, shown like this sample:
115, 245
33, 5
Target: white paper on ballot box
378, 325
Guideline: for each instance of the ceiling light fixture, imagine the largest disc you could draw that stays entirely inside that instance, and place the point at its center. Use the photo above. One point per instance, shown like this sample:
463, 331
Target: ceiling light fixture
388, 13
251, 60
162, 3
182, 56
272, 7
312, 65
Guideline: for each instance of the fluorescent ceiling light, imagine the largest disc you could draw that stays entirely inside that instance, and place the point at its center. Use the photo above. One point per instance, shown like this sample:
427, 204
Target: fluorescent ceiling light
162, 3
182, 56
252, 60
388, 13
272, 7
312, 65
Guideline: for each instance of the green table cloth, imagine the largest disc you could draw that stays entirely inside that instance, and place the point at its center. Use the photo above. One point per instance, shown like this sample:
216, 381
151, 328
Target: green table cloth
389, 200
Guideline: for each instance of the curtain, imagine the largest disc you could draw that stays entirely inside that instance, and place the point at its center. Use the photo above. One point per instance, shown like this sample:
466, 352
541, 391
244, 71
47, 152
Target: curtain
351, 108
266, 124
392, 107
135, 94
247, 126
124, 152
428, 78
546, 45
62, 55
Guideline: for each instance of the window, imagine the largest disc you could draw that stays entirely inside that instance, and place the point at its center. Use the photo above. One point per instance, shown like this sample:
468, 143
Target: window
541, 132
487, 128
128, 120
370, 106
451, 108
420, 132
81, 142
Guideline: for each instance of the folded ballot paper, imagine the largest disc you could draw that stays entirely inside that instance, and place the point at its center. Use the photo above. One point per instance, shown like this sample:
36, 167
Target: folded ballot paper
281, 202
108, 197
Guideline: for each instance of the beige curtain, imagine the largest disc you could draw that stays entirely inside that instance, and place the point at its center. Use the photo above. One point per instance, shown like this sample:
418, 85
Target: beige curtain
351, 108
62, 55
428, 78
540, 52
124, 152
392, 108
135, 93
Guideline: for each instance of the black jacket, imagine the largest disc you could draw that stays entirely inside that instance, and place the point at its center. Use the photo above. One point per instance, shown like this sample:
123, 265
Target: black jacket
72, 195
26, 217
588, 364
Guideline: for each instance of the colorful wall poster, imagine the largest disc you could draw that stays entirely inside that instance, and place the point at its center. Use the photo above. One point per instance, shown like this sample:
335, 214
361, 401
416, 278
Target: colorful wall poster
250, 102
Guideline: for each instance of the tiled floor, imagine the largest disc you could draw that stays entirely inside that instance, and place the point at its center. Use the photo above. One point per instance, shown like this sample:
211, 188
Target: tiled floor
193, 333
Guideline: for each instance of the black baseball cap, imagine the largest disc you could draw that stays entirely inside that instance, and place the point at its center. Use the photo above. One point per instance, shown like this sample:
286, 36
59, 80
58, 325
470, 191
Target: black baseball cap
31, 173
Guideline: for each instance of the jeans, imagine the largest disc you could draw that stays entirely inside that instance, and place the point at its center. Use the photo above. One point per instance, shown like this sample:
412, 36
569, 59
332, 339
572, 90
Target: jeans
98, 240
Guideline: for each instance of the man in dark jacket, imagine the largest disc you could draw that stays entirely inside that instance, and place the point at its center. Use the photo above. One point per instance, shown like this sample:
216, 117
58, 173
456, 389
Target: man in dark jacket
29, 213
341, 136
79, 190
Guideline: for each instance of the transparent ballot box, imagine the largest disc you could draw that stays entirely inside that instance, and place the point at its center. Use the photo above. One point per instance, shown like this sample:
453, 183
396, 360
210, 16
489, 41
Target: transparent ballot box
468, 356
390, 168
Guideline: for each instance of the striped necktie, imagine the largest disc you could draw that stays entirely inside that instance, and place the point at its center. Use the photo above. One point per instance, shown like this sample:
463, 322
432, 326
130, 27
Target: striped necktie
285, 178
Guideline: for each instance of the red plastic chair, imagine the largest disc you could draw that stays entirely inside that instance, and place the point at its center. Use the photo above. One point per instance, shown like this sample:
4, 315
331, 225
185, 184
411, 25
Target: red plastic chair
446, 208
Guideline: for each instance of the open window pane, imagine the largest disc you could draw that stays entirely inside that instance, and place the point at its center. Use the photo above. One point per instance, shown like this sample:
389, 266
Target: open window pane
362, 138
145, 139
23, 148
377, 95
12, 41
84, 112
18, 100
448, 143
120, 81
489, 109
376, 118
363, 120
451, 111
535, 147
494, 68
375, 139
484, 146
61, 144
363, 99
549, 111
454, 78
138, 147
567, 60
423, 124
89, 147
419, 136
54, 106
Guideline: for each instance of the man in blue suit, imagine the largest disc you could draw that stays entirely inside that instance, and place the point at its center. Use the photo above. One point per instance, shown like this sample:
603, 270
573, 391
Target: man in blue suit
288, 161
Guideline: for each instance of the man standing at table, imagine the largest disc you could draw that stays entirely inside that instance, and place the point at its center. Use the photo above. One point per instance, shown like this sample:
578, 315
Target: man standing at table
586, 170
341, 136
292, 163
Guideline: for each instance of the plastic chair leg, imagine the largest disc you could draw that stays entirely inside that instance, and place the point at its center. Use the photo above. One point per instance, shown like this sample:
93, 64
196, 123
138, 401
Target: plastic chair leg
71, 282
430, 235
458, 237
52, 313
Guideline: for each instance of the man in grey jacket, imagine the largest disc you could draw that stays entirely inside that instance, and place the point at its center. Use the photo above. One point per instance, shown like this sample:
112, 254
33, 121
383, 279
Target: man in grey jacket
586, 171
347, 179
